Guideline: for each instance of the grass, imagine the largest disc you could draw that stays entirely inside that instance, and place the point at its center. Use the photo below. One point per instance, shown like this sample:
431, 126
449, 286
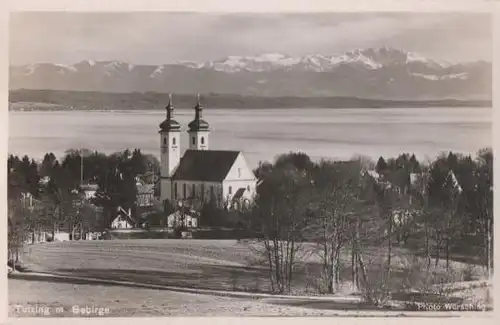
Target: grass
206, 264
203, 264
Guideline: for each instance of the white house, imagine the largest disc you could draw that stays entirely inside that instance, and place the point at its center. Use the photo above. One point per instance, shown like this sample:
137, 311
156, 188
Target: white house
187, 220
201, 173
121, 222
89, 190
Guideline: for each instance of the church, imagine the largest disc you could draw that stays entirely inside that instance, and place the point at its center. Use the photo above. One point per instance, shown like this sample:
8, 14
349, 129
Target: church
201, 174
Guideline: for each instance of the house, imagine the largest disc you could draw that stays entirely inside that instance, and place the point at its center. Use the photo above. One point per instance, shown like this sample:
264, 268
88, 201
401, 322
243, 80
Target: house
61, 236
89, 190
179, 219
145, 194
122, 222
201, 174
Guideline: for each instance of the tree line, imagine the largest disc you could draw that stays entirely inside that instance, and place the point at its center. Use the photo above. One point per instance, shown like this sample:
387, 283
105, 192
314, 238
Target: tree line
328, 208
48, 194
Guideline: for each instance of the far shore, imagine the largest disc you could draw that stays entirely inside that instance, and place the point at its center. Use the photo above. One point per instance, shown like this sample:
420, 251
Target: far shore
31, 99
46, 108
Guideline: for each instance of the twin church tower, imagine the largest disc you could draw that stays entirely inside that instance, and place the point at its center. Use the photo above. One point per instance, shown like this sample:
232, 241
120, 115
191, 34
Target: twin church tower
170, 132
201, 173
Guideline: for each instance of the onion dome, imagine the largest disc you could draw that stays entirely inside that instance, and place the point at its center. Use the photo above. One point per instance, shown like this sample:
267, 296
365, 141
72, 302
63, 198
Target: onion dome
198, 124
169, 124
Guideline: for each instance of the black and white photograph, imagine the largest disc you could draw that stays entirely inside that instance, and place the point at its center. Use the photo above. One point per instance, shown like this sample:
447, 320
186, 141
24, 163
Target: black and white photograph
288, 164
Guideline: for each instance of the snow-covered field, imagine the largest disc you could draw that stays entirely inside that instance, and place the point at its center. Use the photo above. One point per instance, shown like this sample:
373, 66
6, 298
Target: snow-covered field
201, 264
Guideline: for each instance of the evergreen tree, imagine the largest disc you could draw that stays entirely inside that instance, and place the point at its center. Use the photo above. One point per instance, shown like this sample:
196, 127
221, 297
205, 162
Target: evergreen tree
47, 164
414, 164
381, 166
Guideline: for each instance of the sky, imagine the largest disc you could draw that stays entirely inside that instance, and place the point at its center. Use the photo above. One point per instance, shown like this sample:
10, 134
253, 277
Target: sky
160, 38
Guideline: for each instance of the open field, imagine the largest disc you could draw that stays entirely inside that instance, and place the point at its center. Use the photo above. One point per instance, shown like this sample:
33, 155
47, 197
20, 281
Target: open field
122, 301
125, 301
202, 264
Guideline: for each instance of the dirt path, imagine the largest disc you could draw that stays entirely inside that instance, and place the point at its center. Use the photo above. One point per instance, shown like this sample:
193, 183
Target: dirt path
45, 299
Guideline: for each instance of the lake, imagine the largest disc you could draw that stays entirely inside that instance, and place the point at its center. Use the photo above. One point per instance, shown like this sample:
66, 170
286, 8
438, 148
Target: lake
264, 133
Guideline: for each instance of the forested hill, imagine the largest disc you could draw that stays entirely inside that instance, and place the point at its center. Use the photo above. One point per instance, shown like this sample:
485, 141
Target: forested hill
24, 99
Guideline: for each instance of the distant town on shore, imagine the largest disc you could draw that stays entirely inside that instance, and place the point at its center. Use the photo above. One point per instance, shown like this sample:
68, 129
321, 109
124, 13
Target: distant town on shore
30, 99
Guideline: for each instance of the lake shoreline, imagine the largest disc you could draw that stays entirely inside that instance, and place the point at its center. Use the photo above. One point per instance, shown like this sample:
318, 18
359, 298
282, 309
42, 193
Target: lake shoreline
245, 109
95, 100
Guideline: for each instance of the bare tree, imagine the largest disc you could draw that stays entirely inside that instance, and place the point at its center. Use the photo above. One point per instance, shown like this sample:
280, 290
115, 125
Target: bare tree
336, 187
280, 213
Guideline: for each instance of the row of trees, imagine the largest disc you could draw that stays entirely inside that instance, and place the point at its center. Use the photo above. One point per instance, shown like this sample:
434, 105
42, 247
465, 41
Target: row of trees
443, 205
47, 194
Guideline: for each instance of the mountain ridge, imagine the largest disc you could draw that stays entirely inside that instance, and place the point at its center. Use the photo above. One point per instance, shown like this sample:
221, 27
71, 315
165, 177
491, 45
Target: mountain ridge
381, 73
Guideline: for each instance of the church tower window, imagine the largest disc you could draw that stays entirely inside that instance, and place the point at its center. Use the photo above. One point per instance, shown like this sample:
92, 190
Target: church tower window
173, 141
230, 190
199, 129
165, 141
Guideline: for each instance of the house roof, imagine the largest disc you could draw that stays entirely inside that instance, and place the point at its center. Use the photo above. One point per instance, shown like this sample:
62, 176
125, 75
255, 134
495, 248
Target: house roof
239, 193
205, 165
121, 216
89, 187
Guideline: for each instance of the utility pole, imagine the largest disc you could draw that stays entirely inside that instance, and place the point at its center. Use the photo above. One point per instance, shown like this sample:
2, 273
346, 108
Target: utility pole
81, 165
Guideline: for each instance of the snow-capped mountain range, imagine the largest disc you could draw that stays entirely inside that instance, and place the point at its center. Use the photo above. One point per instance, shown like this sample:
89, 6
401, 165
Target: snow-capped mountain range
375, 73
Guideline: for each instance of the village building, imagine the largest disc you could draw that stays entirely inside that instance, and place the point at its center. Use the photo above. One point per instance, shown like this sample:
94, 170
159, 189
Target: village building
89, 190
201, 174
122, 221
145, 194
182, 219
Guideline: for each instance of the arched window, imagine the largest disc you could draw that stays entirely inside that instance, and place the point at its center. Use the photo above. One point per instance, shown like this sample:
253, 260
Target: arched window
230, 190
184, 190
173, 141
239, 172
248, 188
194, 140
165, 141
202, 140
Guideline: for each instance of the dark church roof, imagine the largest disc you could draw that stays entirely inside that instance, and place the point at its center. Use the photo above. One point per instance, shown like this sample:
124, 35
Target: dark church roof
198, 125
205, 165
169, 125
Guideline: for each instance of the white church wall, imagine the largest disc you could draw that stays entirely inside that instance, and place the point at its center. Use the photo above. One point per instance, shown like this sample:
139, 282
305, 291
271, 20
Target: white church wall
230, 187
240, 176
200, 187
165, 190
198, 140
240, 170
170, 152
